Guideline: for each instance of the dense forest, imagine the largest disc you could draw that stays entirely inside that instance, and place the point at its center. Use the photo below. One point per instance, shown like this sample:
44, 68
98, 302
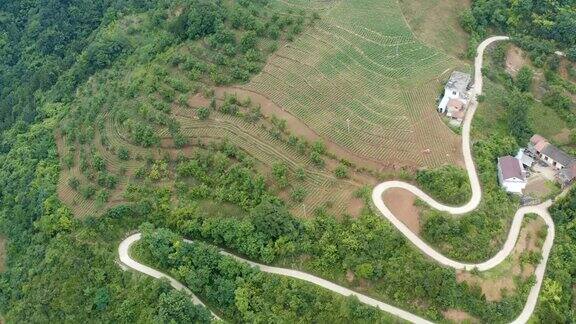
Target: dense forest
542, 27
557, 299
61, 268
41, 41
243, 293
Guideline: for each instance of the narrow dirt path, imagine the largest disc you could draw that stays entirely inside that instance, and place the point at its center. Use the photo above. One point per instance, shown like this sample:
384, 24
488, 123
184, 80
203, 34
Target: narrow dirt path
541, 210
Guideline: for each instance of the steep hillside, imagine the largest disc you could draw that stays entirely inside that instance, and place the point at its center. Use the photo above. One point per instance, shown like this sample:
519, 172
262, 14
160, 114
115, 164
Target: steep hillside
255, 126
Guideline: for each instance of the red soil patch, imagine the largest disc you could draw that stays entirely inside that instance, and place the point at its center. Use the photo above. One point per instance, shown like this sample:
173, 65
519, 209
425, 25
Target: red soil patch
493, 286
198, 100
565, 64
459, 316
355, 206
401, 204
515, 59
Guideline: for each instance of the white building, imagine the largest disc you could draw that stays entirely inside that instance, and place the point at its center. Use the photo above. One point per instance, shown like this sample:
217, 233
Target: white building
456, 88
511, 174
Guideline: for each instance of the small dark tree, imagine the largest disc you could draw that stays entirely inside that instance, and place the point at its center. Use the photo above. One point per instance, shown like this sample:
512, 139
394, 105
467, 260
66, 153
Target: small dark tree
123, 154
341, 171
203, 113
273, 220
524, 79
319, 147
74, 183
298, 195
316, 158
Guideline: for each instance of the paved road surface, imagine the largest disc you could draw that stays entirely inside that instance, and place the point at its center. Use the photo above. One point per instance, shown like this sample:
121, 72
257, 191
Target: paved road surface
124, 254
541, 210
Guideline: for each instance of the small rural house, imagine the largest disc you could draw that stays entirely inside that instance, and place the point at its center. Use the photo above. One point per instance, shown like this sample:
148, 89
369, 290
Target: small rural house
456, 88
455, 109
511, 174
567, 175
564, 163
549, 153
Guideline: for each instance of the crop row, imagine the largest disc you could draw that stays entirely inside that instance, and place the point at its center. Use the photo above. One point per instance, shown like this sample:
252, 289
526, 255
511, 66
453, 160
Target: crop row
331, 112
346, 83
382, 17
319, 189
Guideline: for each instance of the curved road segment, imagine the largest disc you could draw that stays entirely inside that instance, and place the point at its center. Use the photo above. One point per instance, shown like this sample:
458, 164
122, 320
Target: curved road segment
541, 210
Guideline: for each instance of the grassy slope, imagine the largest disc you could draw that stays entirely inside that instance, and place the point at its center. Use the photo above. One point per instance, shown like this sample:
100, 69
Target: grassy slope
543, 120
435, 22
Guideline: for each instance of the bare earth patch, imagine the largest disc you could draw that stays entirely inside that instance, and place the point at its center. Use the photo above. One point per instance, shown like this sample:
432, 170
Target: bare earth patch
355, 206
563, 137
565, 64
401, 204
198, 100
350, 276
501, 279
537, 187
515, 59
459, 316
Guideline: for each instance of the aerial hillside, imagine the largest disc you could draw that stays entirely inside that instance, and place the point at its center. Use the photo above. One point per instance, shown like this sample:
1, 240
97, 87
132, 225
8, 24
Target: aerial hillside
166, 99
363, 106
238, 147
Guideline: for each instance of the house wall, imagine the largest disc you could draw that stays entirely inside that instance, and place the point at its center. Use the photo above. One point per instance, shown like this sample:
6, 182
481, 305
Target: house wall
500, 180
451, 93
551, 162
514, 187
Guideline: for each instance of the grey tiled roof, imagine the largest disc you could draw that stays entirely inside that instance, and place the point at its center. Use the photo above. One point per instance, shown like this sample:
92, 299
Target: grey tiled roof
558, 155
568, 174
459, 81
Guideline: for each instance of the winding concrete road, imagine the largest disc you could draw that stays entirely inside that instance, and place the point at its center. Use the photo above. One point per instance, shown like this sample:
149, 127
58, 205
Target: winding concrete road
541, 210
125, 259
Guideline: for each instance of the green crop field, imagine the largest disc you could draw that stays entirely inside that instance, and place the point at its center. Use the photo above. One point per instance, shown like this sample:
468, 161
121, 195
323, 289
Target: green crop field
361, 79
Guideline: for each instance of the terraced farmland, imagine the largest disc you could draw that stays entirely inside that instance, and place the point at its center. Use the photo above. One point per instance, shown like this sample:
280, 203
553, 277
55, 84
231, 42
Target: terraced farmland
355, 81
321, 187
360, 79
